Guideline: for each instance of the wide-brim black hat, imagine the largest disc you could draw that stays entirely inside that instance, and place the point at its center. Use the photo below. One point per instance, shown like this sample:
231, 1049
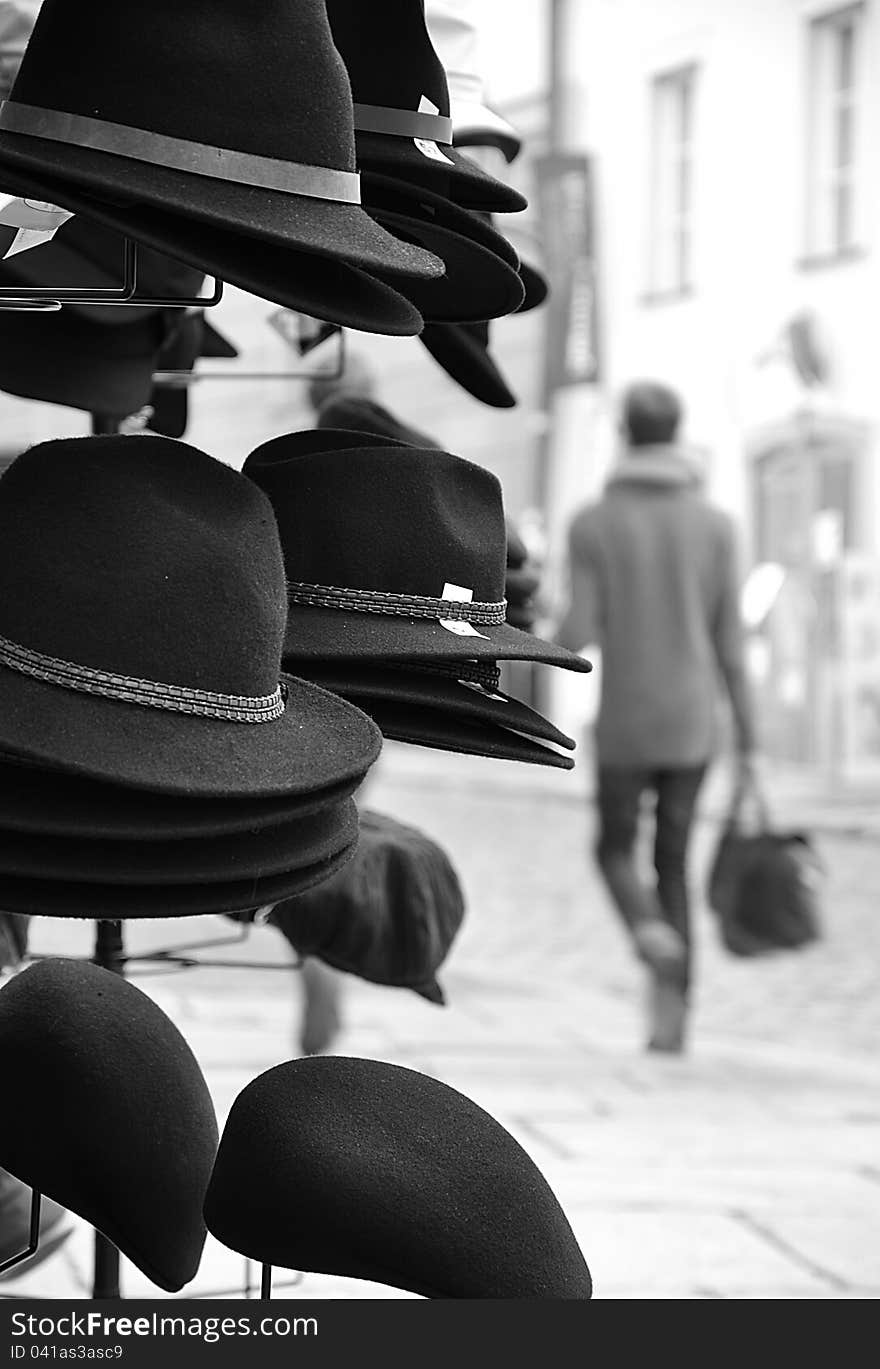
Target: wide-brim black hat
462, 350
272, 159
318, 286
109, 1113
389, 193
422, 726
73, 899
141, 626
372, 535
52, 804
477, 285
390, 916
440, 690
372, 1171
401, 103
277, 850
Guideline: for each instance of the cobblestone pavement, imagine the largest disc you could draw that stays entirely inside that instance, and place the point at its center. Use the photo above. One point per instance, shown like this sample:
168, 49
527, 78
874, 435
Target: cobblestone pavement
750, 1168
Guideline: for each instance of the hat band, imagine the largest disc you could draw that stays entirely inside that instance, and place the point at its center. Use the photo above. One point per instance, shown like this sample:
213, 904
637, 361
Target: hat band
400, 605
234, 708
486, 674
178, 154
402, 123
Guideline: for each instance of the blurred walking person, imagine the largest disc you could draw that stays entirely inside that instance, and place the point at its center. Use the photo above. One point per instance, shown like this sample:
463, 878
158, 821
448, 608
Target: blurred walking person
654, 584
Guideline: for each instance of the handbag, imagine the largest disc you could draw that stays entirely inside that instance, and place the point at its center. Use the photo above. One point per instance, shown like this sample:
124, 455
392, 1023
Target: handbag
764, 883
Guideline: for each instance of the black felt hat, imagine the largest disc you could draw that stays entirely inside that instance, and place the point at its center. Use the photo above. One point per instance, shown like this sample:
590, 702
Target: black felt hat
372, 1171
322, 287
108, 1112
141, 625
422, 692
401, 103
426, 726
482, 279
243, 125
390, 527
463, 352
275, 850
34, 799
64, 358
69, 898
390, 916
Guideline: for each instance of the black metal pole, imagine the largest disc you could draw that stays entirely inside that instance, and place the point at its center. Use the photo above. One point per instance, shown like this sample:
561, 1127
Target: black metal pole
109, 953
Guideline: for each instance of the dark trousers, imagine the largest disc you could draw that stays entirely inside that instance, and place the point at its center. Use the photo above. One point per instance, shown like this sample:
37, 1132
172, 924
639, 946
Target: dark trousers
620, 791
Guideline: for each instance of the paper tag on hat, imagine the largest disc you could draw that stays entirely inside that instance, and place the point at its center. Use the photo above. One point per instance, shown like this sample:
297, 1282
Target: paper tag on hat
36, 220
458, 626
425, 146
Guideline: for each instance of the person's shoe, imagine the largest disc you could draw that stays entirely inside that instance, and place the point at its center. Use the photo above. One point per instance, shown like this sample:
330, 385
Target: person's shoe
321, 1020
667, 1016
659, 945
15, 1223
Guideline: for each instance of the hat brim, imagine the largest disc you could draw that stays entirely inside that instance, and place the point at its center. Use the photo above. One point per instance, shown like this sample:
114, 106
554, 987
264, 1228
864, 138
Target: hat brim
52, 804
317, 741
344, 232
402, 197
67, 898
441, 732
318, 286
452, 698
325, 634
536, 286
475, 125
454, 175
466, 361
294, 845
477, 286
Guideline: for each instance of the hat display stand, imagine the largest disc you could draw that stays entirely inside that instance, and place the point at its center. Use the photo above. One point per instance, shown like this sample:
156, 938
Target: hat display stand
54, 297
185, 380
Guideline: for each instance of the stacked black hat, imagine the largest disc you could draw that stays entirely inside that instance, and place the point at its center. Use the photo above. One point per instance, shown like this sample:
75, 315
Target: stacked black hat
415, 183
155, 762
396, 564
226, 143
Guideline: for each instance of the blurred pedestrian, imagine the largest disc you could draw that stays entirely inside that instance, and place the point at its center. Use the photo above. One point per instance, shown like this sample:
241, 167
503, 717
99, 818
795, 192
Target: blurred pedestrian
653, 584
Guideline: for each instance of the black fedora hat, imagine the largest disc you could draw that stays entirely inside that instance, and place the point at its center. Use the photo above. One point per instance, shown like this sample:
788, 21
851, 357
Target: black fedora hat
401, 103
276, 850
390, 193
372, 1171
64, 358
462, 350
84, 899
322, 287
373, 535
34, 799
431, 727
108, 1112
141, 626
389, 916
124, 103
476, 698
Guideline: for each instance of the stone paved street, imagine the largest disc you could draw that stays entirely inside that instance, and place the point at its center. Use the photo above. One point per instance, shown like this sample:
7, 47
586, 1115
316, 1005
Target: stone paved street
748, 1169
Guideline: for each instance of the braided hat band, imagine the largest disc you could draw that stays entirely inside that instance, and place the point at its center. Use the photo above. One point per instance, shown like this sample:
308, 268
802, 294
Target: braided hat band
237, 708
399, 605
486, 674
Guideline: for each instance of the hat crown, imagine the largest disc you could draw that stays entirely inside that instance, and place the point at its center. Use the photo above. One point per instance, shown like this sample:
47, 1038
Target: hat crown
388, 51
143, 557
263, 78
399, 519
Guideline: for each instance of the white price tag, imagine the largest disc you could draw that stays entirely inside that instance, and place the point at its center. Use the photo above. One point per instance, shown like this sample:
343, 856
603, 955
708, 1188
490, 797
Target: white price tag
457, 626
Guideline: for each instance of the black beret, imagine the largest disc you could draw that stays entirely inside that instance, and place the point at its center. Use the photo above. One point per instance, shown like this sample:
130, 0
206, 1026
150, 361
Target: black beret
368, 1170
107, 1112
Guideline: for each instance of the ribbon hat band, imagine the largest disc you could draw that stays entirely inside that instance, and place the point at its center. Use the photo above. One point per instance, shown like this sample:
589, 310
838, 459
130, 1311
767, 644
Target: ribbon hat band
399, 605
178, 154
236, 708
402, 123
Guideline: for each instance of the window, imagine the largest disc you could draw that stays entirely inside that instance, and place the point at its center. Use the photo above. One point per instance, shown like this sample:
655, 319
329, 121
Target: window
672, 111
834, 150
